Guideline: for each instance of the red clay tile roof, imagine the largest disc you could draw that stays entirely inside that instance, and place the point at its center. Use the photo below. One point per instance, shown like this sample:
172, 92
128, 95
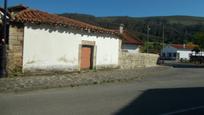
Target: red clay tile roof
26, 15
40, 17
182, 46
129, 39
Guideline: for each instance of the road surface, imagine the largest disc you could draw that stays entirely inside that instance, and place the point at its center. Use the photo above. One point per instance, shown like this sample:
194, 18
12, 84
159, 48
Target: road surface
178, 91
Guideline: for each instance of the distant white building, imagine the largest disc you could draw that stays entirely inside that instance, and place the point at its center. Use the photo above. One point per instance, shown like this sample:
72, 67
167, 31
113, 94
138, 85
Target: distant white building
177, 51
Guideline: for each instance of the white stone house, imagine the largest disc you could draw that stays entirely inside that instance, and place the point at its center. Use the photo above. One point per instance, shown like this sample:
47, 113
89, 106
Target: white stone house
43, 42
177, 51
130, 43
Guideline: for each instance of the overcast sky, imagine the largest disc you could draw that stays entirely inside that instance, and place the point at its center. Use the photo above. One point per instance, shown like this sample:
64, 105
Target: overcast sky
138, 8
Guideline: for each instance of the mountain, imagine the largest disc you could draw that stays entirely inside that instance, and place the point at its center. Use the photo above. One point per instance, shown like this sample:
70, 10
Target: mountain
177, 29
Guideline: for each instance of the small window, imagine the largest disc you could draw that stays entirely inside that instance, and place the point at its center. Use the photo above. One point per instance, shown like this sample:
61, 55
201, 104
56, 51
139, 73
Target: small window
163, 55
174, 54
169, 55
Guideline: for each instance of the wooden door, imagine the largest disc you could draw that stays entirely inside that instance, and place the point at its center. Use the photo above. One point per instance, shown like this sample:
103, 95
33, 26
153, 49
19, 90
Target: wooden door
86, 57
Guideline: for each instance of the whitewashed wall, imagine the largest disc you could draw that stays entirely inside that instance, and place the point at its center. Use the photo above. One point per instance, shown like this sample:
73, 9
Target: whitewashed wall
184, 54
48, 48
131, 48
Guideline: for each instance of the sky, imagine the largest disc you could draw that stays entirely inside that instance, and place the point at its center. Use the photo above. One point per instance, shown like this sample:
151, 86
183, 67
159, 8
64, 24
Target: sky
134, 8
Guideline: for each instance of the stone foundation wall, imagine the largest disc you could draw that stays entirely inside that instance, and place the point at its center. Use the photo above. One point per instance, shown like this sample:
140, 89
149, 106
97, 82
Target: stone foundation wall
15, 49
135, 60
100, 67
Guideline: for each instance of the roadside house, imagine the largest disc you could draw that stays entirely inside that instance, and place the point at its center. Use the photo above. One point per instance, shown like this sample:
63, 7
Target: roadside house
177, 51
43, 42
130, 43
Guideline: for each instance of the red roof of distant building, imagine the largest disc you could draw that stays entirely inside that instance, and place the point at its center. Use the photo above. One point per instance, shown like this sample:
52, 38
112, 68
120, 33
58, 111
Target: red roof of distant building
129, 39
184, 46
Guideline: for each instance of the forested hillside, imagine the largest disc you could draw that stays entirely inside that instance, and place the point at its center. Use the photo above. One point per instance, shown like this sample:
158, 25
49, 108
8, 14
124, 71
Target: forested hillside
177, 29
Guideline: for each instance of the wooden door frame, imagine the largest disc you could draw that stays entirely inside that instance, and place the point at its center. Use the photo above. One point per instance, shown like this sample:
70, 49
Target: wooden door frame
93, 53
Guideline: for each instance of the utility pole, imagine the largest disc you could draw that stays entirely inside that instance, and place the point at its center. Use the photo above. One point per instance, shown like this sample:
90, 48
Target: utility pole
3, 43
163, 39
5, 21
148, 29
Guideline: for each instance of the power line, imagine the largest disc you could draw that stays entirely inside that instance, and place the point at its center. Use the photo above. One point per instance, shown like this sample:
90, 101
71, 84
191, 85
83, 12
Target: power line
163, 36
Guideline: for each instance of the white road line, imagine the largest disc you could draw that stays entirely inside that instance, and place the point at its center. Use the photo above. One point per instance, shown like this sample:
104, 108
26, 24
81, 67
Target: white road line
183, 110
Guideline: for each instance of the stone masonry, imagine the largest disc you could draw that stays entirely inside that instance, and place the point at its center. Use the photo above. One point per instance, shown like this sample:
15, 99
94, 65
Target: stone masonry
132, 61
77, 79
15, 49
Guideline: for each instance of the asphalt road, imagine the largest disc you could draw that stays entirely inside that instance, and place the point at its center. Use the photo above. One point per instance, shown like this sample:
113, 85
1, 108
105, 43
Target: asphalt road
178, 91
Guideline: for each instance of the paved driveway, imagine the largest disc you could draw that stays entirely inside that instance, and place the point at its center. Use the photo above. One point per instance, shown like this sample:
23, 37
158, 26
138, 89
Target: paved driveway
178, 91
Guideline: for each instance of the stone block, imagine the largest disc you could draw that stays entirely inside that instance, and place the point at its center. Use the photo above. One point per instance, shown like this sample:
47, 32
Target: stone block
15, 50
13, 30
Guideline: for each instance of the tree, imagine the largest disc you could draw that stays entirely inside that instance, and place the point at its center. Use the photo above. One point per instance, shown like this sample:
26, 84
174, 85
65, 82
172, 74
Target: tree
199, 39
